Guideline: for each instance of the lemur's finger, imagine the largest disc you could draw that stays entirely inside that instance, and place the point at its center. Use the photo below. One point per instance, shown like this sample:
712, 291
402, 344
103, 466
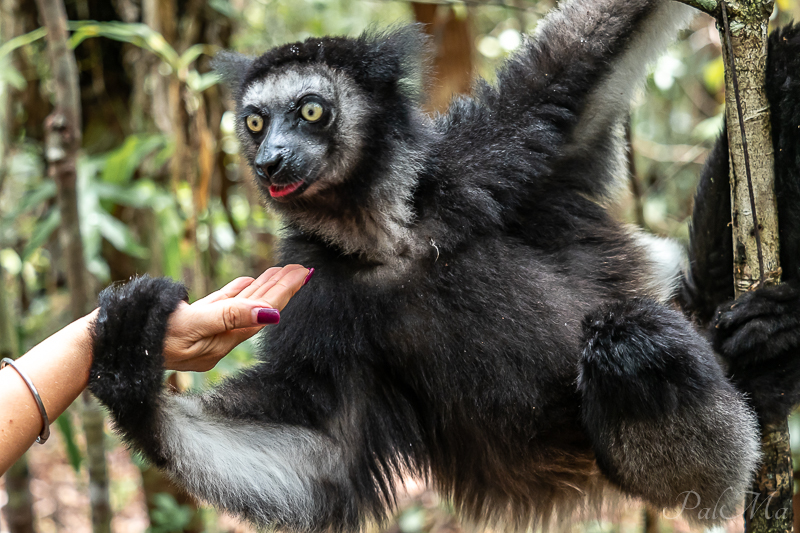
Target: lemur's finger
228, 291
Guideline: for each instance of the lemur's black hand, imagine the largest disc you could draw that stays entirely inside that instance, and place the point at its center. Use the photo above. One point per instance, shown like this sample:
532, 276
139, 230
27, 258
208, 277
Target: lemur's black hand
128, 338
758, 336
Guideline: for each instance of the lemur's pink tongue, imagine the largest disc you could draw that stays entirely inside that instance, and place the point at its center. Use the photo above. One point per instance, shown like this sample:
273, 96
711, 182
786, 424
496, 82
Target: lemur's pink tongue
282, 190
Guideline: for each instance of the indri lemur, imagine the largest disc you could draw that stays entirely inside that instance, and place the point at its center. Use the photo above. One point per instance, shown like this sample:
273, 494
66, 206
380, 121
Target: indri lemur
477, 318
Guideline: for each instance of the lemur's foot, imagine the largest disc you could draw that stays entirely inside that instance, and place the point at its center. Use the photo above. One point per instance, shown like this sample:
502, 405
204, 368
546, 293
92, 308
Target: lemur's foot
758, 336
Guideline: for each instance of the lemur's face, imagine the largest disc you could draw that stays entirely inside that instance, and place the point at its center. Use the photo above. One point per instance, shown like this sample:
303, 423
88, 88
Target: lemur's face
302, 130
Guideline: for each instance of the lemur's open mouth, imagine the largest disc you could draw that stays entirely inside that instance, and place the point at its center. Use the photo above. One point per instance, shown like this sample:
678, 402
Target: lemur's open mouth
276, 191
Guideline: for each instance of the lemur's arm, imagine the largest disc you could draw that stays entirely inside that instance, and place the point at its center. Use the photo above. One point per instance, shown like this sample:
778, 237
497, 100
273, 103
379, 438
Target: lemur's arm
571, 85
783, 92
233, 446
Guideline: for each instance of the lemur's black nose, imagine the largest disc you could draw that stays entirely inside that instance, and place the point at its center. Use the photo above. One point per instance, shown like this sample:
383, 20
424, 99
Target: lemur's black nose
269, 166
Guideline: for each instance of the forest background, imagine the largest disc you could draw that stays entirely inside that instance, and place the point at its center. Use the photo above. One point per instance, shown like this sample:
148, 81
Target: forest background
161, 190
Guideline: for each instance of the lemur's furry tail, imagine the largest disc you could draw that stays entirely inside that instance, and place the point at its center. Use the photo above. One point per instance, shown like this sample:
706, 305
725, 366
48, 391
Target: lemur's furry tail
709, 280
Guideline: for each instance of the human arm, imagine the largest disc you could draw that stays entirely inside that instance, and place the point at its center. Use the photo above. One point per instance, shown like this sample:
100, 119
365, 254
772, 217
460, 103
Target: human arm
59, 367
198, 336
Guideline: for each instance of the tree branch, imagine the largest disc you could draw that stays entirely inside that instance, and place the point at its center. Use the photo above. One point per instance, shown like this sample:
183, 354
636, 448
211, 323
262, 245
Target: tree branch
710, 7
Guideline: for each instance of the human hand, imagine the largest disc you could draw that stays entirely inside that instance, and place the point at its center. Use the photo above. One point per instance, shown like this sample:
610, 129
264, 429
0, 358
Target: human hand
200, 334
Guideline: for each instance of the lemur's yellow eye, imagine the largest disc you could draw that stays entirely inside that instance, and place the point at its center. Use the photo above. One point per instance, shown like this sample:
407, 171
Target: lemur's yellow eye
311, 111
254, 123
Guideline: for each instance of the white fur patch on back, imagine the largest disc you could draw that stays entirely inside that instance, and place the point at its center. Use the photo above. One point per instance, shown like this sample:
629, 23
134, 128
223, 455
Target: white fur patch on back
267, 472
665, 262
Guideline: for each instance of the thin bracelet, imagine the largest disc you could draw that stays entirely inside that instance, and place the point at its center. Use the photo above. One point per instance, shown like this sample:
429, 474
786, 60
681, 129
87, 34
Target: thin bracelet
45, 434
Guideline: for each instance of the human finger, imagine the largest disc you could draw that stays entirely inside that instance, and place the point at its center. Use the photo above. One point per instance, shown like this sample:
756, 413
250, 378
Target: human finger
280, 278
259, 282
231, 314
285, 287
228, 291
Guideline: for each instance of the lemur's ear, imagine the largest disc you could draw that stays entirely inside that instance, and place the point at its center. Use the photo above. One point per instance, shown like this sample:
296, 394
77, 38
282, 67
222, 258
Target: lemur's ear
232, 67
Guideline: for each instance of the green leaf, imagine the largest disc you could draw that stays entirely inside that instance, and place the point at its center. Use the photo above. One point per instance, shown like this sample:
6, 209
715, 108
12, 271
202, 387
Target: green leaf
42, 233
172, 228
714, 75
141, 194
195, 51
64, 423
168, 515
11, 76
121, 163
200, 82
10, 261
137, 34
224, 8
21, 40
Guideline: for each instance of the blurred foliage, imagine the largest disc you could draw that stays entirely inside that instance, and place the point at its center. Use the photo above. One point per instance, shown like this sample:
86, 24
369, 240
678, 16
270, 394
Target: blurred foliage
154, 116
169, 516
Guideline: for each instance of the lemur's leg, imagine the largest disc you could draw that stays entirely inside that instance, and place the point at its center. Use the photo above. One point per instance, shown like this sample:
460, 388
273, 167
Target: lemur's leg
291, 476
663, 419
709, 281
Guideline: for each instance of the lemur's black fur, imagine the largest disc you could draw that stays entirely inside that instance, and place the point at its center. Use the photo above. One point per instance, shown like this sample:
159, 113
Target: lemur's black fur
477, 318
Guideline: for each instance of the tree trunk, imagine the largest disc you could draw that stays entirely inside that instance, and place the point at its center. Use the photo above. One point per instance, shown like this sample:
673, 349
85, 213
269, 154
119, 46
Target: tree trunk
768, 508
756, 260
62, 142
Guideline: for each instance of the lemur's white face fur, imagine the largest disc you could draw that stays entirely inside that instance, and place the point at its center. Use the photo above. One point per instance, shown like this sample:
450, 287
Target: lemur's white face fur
305, 131
301, 129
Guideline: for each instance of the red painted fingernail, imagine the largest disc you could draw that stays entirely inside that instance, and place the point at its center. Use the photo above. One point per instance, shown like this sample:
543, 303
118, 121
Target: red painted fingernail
269, 316
308, 276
